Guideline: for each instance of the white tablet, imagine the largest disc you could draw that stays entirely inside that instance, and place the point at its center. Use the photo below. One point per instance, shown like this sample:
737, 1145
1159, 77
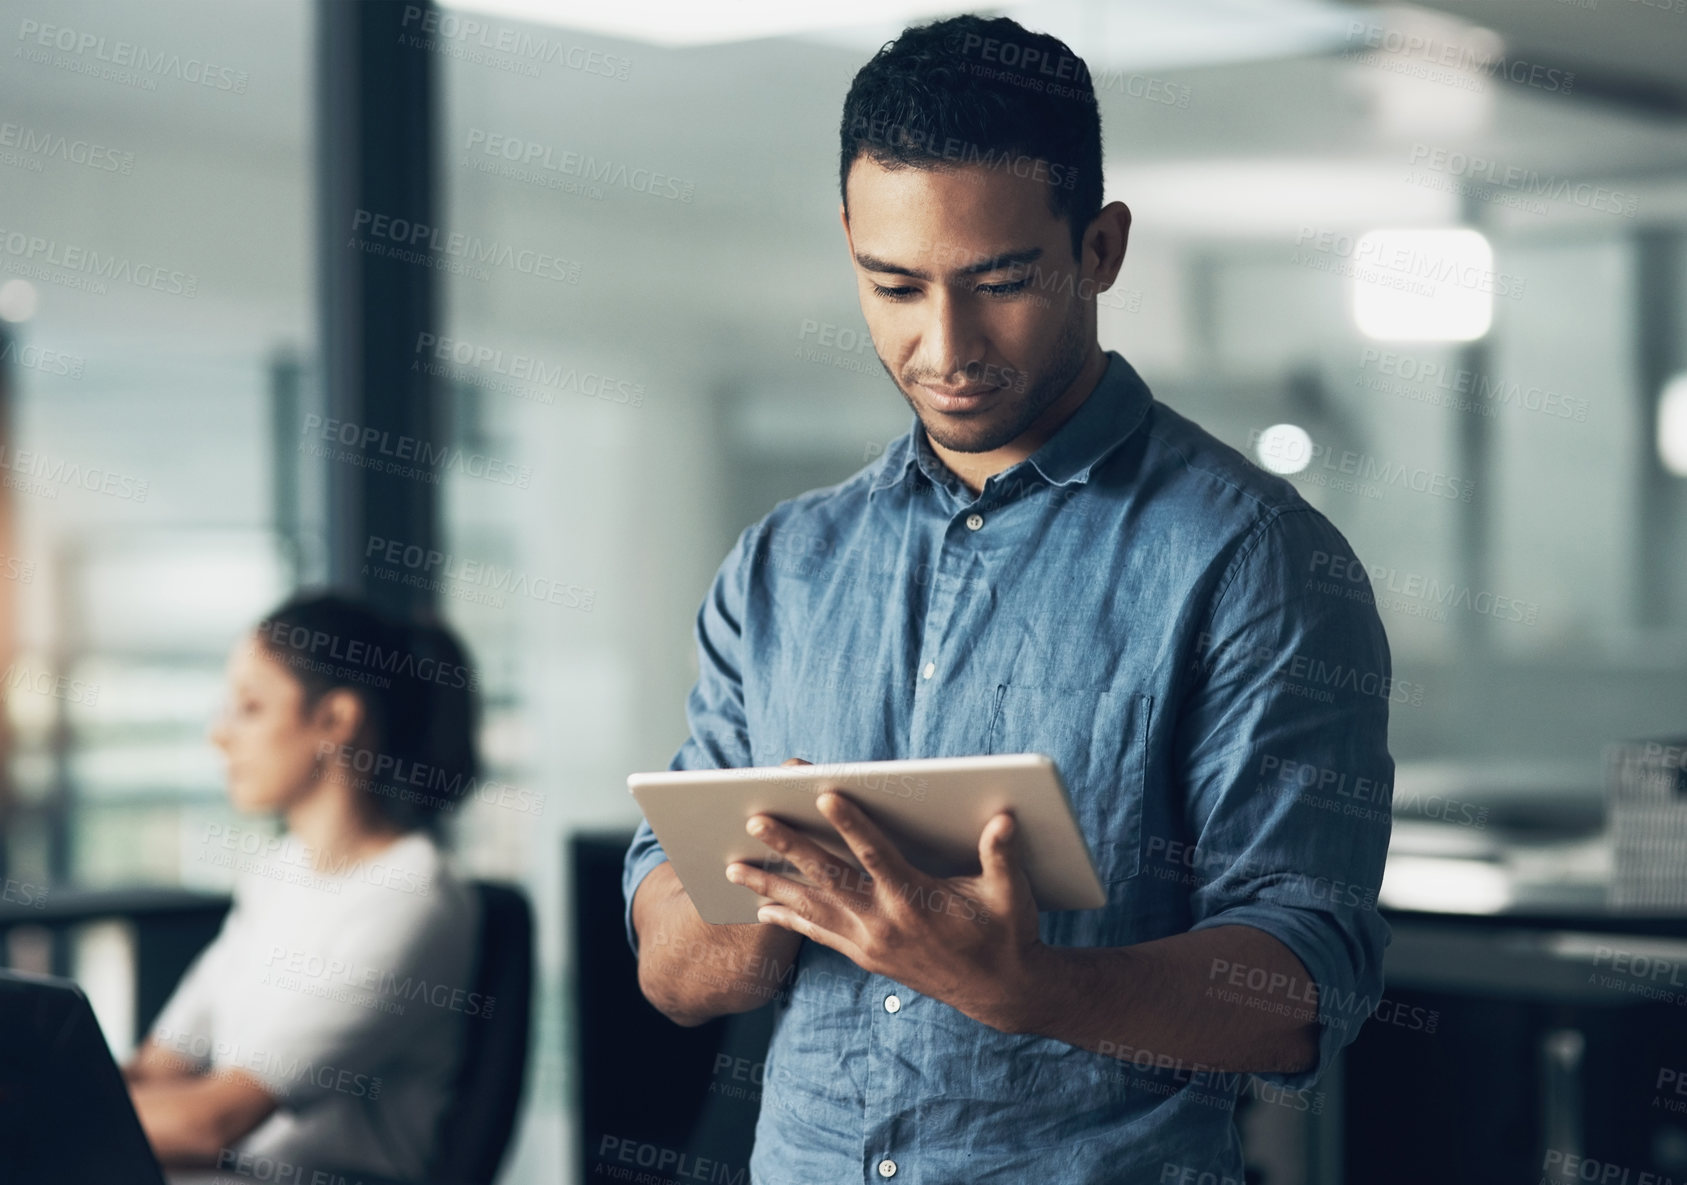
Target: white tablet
934, 809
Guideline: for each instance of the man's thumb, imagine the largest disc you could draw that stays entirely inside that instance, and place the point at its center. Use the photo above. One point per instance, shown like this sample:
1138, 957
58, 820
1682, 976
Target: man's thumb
994, 848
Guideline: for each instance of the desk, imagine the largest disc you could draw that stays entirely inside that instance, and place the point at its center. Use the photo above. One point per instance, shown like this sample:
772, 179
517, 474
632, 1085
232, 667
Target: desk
1555, 1019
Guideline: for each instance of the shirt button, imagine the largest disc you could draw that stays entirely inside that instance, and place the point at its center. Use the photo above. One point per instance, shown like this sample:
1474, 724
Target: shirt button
931, 669
887, 1168
893, 1004
974, 521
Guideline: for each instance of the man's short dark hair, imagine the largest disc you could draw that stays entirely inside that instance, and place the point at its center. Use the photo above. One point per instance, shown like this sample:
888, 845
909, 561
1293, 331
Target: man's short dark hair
971, 91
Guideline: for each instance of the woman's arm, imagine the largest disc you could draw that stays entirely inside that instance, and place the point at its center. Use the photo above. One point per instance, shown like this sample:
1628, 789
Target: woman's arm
191, 1121
185, 1022
153, 1062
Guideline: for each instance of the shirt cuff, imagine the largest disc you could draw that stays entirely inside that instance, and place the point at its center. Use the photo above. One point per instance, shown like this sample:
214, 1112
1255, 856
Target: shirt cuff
1345, 998
644, 854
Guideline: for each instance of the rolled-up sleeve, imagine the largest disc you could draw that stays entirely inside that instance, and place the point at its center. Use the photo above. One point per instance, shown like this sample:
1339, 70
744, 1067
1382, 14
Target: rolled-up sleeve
719, 735
1284, 745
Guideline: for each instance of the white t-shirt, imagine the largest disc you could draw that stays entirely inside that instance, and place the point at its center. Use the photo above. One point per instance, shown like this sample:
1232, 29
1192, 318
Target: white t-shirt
349, 994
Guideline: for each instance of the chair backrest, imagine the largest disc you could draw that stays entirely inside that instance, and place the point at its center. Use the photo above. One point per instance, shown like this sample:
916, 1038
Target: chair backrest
476, 1127
690, 1106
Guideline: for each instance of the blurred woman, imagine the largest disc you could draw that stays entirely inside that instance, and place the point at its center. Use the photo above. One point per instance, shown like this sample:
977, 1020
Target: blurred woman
322, 1029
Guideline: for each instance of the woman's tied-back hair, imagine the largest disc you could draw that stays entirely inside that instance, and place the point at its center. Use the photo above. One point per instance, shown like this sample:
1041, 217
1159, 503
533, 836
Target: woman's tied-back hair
974, 92
415, 756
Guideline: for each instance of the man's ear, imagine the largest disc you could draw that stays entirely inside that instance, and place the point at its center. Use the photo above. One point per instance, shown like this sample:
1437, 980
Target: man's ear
1108, 237
340, 715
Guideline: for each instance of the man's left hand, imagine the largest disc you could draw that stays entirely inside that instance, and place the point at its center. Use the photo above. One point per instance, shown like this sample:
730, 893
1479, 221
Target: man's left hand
970, 941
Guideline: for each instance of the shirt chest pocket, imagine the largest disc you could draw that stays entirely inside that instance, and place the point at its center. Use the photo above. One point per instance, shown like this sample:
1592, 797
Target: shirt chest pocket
1099, 741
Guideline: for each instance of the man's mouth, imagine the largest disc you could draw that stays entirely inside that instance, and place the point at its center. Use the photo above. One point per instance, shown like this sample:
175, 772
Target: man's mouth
958, 399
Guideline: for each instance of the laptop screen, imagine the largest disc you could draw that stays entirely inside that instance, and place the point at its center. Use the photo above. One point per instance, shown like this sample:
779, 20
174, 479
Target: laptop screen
65, 1113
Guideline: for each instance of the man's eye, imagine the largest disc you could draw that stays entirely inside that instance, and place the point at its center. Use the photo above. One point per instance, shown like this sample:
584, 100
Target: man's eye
1005, 289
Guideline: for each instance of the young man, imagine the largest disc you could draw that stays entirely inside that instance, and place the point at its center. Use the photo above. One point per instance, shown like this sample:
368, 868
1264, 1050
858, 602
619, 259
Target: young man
1050, 561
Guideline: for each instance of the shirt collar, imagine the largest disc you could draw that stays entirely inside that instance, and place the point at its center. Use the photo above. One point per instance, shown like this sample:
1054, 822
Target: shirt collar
1101, 423
898, 458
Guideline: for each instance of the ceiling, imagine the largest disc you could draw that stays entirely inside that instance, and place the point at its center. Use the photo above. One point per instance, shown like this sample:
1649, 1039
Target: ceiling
1281, 119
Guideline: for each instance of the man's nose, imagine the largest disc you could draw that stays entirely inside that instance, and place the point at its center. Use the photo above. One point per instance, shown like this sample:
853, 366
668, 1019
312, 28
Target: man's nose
951, 340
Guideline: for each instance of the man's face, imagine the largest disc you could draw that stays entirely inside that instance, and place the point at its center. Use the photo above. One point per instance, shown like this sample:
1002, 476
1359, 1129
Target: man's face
976, 306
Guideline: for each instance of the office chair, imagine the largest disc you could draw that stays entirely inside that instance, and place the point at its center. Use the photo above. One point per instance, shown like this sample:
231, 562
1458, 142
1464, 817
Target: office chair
481, 1116
643, 1078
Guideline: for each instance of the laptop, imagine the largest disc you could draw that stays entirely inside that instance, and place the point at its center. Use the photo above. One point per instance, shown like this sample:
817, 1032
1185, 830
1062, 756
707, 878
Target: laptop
65, 1113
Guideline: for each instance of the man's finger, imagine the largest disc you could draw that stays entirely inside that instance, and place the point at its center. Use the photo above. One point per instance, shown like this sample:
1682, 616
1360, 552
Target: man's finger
995, 847
881, 858
799, 851
779, 915
820, 906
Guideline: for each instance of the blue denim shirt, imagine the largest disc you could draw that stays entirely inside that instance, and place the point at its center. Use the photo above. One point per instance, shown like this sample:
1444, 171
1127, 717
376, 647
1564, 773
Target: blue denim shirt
1197, 649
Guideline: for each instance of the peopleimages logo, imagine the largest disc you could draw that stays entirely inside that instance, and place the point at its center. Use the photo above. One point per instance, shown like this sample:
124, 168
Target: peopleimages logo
1401, 265
23, 893
523, 49
1417, 54
955, 150
421, 242
668, 1166
296, 969
1427, 376
130, 56
1302, 674
474, 580
1189, 863
522, 368
543, 158
1034, 69
409, 456
1339, 570
1559, 1165
35, 142
42, 252
1290, 453
224, 1054
1525, 182
402, 778
46, 361
295, 641
52, 472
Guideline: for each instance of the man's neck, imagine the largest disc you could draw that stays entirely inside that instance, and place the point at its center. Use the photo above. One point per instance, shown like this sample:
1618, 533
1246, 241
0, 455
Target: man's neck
974, 469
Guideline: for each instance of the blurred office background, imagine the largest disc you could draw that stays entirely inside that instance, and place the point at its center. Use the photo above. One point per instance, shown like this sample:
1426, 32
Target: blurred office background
673, 344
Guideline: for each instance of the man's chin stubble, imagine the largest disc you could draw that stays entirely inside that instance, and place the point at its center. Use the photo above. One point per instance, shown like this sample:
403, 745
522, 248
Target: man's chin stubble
1043, 396
985, 439
988, 442
943, 437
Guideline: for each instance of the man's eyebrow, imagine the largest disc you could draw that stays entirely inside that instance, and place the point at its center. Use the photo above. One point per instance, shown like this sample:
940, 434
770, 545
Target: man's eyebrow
995, 263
